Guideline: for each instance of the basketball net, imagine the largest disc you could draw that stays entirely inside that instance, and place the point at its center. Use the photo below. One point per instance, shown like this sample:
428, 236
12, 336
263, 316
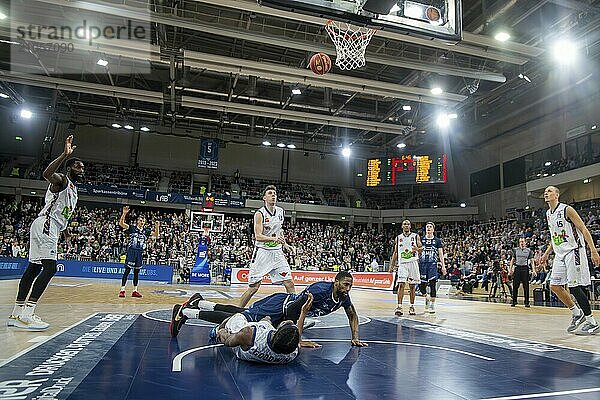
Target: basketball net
206, 231
350, 43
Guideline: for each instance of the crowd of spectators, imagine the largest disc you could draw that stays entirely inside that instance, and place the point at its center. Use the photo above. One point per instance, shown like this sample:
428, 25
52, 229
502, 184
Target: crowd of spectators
475, 252
553, 167
121, 176
180, 182
334, 197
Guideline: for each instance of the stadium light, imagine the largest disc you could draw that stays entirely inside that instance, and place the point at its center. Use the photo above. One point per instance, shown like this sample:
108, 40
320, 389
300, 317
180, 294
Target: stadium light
26, 114
102, 63
128, 127
587, 180
19, 138
2, 16
115, 125
291, 146
594, 127
266, 143
443, 121
401, 145
145, 129
346, 152
547, 163
463, 205
406, 107
280, 144
437, 90
453, 115
502, 36
565, 52
296, 91
4, 95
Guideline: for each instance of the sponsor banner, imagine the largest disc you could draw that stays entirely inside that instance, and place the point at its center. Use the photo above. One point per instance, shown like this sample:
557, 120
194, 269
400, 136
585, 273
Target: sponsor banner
201, 270
106, 191
218, 200
54, 369
208, 156
11, 267
370, 280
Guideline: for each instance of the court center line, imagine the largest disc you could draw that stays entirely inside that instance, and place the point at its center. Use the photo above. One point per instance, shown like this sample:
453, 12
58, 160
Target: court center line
179, 357
548, 394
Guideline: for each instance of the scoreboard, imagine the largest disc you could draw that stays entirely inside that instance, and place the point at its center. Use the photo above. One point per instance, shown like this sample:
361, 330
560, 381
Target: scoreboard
406, 170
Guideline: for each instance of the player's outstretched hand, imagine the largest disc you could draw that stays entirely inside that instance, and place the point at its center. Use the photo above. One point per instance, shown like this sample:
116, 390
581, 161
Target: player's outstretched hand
308, 344
543, 259
69, 146
125, 209
308, 303
358, 343
596, 258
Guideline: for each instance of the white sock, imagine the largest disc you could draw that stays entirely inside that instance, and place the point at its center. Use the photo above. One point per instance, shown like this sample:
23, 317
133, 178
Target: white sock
412, 305
591, 320
135, 288
122, 288
399, 305
576, 311
18, 309
191, 313
205, 305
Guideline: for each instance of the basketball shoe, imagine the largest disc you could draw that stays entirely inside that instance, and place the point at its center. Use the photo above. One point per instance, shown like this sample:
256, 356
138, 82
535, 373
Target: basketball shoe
575, 322
135, 293
589, 329
177, 320
31, 322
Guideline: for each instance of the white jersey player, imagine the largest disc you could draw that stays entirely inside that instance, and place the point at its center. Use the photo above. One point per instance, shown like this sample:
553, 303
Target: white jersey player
60, 202
568, 235
405, 261
269, 241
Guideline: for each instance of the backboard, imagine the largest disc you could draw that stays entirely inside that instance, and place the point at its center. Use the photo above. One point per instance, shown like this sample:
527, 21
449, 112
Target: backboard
199, 220
440, 19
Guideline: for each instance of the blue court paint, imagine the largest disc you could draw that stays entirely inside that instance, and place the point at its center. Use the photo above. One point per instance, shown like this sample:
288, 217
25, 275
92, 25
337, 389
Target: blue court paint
405, 360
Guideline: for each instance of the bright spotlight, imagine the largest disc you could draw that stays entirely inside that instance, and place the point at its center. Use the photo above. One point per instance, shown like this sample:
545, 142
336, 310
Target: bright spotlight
401, 145
452, 115
266, 143
2, 16
547, 163
102, 63
565, 52
502, 36
115, 125
144, 129
406, 107
280, 144
128, 127
4, 95
463, 205
291, 146
437, 91
25, 113
443, 121
346, 152
296, 91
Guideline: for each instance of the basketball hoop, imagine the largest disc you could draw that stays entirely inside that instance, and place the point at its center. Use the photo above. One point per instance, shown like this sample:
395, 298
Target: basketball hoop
350, 43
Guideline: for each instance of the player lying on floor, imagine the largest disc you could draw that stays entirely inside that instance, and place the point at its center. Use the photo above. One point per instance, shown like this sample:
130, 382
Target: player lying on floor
257, 341
327, 298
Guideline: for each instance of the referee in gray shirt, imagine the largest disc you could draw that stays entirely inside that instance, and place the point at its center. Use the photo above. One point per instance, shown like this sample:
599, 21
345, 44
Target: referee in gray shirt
521, 260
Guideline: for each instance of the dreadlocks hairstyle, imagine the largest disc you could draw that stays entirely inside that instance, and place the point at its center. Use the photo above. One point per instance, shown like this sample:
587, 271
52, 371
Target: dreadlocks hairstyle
285, 339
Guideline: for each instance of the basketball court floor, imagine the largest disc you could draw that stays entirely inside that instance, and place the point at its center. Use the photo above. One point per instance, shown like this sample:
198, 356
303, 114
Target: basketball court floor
100, 346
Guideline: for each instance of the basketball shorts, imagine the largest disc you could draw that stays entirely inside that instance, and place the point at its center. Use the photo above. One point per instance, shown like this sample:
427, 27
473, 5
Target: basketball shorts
272, 306
43, 243
409, 272
269, 262
133, 259
571, 269
428, 270
236, 323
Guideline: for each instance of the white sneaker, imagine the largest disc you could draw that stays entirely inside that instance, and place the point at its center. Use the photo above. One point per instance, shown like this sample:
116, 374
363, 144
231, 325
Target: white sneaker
31, 322
589, 329
12, 320
431, 309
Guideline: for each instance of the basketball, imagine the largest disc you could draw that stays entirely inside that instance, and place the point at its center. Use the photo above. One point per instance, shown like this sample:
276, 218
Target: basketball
320, 63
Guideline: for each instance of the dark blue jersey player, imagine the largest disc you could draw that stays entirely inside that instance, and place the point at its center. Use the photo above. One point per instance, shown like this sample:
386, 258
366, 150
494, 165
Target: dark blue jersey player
431, 255
327, 298
138, 235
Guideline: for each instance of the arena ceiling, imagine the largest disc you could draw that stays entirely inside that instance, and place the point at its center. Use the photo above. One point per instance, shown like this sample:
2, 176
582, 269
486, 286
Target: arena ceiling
226, 68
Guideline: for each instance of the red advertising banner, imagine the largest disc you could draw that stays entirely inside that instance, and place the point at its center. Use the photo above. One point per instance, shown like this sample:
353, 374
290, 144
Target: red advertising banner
371, 280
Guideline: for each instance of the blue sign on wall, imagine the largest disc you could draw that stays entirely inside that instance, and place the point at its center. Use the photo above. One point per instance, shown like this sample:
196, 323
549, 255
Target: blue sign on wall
201, 271
208, 156
14, 268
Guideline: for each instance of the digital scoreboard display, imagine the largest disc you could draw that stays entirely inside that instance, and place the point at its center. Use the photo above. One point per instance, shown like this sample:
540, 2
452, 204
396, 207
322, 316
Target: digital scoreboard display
406, 170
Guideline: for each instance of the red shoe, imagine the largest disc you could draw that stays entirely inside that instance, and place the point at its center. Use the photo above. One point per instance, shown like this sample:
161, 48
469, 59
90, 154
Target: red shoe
122, 293
136, 294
